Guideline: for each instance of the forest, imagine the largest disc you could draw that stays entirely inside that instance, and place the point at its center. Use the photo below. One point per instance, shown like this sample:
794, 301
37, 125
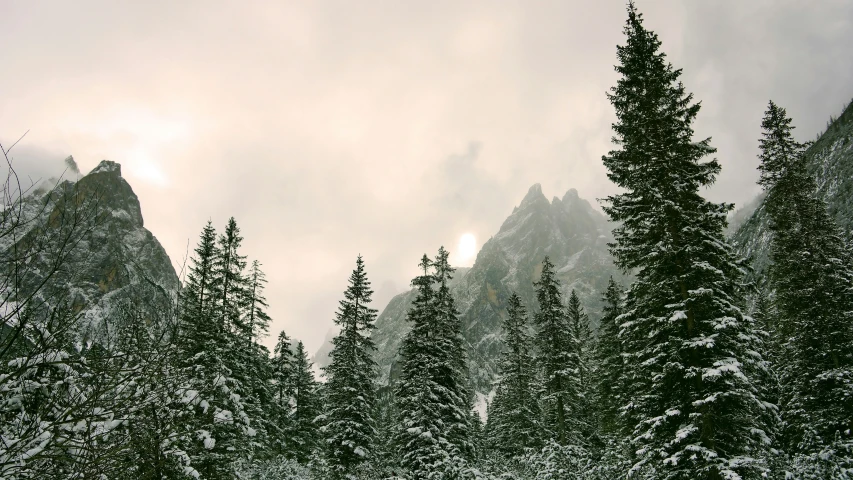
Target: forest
702, 366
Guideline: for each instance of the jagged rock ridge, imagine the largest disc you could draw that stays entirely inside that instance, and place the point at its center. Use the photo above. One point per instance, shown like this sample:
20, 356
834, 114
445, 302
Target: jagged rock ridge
568, 230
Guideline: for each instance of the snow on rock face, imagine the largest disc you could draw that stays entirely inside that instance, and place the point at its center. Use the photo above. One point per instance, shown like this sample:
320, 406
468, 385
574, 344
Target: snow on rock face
568, 230
114, 257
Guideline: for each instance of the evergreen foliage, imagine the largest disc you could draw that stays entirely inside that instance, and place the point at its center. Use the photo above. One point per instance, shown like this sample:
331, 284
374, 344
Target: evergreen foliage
611, 391
307, 407
350, 428
514, 421
256, 319
696, 411
557, 357
220, 429
283, 367
584, 417
434, 430
228, 268
813, 281
199, 334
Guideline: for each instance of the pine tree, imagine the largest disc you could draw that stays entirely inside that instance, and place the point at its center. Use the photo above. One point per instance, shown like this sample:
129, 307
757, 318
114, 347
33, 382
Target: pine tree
219, 432
582, 420
452, 372
255, 359
556, 357
610, 391
283, 366
229, 268
199, 335
256, 319
351, 376
246, 361
692, 351
813, 281
433, 406
307, 406
514, 417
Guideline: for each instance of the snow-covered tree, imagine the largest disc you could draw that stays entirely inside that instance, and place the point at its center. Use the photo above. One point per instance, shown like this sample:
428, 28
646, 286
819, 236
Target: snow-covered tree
610, 379
452, 369
220, 430
304, 429
433, 407
350, 428
255, 316
557, 357
514, 422
228, 269
583, 419
283, 367
696, 409
813, 304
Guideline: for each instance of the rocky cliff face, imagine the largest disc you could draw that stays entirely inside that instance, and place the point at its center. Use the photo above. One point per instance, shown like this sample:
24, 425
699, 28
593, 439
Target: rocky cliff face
568, 230
830, 160
111, 258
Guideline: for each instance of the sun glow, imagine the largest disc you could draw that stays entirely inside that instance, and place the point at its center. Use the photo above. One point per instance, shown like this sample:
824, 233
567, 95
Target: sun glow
467, 249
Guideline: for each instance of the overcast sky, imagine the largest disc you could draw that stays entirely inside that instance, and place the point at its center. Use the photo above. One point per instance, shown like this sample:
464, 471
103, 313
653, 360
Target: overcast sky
329, 129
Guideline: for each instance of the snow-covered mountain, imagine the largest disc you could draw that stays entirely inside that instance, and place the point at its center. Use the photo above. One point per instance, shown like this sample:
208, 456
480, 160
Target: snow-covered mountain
113, 257
830, 160
568, 230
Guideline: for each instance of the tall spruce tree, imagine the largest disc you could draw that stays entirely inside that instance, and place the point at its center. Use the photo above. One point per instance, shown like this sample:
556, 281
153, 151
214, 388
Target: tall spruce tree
198, 333
433, 407
256, 319
693, 352
556, 357
247, 361
229, 268
813, 280
610, 377
307, 406
418, 431
350, 428
583, 419
283, 366
452, 369
219, 431
514, 422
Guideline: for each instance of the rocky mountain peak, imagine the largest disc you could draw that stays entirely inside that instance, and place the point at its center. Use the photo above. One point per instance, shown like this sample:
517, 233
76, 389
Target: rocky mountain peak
534, 198
569, 231
113, 257
107, 166
113, 191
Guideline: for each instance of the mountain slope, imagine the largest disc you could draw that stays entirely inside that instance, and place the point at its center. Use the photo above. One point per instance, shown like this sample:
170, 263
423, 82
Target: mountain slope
568, 230
830, 160
112, 259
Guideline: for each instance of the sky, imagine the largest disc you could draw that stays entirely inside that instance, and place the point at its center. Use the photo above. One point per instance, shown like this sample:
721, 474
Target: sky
330, 129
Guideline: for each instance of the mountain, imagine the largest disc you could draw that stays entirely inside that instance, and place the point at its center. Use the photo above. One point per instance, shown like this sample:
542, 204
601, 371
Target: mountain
568, 230
830, 160
110, 259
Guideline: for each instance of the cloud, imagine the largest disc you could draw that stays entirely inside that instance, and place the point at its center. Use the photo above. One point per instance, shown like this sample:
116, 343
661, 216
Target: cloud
388, 128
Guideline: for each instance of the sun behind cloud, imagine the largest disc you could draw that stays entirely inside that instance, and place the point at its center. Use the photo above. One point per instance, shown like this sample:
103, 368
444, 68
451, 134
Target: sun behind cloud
466, 251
